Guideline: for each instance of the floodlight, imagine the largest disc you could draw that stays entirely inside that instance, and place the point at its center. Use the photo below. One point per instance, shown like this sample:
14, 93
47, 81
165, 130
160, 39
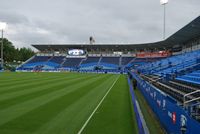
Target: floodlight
163, 2
2, 25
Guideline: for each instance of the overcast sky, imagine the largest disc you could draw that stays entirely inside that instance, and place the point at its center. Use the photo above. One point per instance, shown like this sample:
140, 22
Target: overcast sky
108, 21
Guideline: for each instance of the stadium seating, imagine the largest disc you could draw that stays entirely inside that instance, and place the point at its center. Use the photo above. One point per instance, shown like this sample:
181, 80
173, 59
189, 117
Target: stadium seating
172, 65
72, 62
193, 77
178, 77
58, 59
126, 60
89, 63
39, 59
110, 60
82, 63
91, 60
183, 81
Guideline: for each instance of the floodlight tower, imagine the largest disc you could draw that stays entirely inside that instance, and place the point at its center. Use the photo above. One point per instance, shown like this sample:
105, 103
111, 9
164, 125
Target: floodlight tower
164, 3
2, 28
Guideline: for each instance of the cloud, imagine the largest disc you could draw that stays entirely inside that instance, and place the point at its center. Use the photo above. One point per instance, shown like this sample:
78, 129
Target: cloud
73, 21
13, 18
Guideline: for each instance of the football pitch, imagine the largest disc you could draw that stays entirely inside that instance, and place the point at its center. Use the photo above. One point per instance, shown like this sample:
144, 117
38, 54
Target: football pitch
65, 103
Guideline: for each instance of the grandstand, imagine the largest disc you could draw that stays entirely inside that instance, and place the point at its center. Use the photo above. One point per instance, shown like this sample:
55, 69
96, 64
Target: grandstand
168, 76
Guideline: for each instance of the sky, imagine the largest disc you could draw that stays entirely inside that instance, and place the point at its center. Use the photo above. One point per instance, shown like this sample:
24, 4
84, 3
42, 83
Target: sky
108, 21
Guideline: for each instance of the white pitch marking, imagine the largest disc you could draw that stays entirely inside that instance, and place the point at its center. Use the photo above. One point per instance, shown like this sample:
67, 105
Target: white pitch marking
87, 121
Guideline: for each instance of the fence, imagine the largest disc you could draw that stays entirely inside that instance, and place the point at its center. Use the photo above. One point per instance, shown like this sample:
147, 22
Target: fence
138, 118
173, 118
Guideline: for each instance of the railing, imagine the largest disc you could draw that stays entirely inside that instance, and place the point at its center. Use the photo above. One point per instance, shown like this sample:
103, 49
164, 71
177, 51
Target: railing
172, 117
182, 57
26, 61
138, 118
191, 100
99, 61
82, 61
120, 61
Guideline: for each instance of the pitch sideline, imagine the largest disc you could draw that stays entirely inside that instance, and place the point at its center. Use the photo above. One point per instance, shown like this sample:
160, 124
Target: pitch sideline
87, 121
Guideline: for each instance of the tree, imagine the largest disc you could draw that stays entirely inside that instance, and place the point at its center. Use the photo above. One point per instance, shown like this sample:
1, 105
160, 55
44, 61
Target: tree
14, 54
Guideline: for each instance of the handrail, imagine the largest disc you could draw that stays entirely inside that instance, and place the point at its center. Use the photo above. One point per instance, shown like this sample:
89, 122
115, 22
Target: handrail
184, 98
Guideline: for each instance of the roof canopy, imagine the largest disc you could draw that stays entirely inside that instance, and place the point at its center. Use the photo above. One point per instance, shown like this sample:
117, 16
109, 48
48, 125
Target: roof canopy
184, 35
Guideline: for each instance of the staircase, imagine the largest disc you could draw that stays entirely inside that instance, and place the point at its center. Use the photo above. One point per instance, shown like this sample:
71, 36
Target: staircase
82, 61
120, 61
99, 61
131, 61
64, 60
26, 61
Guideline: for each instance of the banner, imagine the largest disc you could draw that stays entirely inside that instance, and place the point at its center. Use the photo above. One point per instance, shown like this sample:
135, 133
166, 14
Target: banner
173, 118
160, 54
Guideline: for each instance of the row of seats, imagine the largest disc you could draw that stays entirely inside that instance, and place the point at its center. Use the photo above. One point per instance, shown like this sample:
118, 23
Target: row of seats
91, 60
39, 59
174, 88
177, 76
193, 77
110, 60
58, 59
172, 64
71, 62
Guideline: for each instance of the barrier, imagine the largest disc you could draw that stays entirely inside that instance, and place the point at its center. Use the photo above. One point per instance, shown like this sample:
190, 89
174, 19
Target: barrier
138, 119
159, 54
172, 117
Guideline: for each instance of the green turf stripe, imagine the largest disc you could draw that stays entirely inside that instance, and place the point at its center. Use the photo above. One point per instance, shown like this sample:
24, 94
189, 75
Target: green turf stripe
45, 112
20, 109
20, 81
27, 84
24, 76
28, 80
114, 116
34, 84
76, 113
13, 76
37, 92
19, 77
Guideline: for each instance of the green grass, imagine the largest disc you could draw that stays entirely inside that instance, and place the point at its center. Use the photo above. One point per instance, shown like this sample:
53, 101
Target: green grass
152, 123
114, 116
60, 103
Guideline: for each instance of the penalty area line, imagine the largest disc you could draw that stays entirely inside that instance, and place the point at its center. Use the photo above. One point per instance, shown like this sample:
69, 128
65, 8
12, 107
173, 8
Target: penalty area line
87, 121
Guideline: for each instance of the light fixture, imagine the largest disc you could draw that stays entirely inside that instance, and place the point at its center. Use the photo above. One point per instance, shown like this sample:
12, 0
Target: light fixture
3, 25
163, 2
2, 28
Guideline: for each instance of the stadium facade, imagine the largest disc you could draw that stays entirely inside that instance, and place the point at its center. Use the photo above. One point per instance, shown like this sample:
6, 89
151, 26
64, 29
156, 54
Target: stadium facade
167, 72
56, 57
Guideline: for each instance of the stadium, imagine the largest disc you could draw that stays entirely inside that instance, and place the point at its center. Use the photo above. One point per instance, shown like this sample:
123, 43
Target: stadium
149, 88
